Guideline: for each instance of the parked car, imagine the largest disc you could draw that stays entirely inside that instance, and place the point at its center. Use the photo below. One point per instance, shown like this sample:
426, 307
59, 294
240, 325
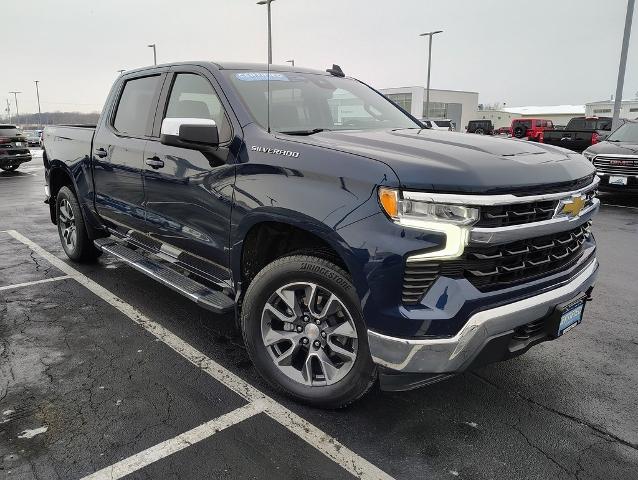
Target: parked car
33, 138
347, 246
532, 128
438, 124
503, 131
480, 127
13, 148
580, 133
616, 159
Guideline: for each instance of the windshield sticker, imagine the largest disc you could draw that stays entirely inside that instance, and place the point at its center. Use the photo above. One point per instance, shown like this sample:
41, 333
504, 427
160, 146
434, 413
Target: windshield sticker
261, 77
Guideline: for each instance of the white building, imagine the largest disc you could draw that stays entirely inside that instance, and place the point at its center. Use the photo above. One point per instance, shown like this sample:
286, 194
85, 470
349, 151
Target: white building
605, 108
558, 114
457, 106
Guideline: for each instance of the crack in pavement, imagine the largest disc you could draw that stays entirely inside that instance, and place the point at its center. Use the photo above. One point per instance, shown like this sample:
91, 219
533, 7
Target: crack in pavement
573, 418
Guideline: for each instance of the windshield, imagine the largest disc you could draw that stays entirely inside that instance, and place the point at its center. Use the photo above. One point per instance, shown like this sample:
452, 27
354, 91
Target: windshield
306, 102
626, 133
443, 123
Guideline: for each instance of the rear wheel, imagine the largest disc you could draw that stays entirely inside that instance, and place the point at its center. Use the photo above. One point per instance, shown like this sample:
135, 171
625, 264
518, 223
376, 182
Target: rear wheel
10, 168
519, 132
304, 332
73, 236
479, 131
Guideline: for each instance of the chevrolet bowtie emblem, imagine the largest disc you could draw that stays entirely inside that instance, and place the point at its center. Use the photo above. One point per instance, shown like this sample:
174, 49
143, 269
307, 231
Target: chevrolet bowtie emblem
571, 206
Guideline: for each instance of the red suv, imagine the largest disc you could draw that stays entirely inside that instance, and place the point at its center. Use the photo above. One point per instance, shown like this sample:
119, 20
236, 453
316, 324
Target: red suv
532, 128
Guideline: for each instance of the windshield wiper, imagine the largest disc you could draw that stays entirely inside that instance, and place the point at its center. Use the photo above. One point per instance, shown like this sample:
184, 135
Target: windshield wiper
304, 132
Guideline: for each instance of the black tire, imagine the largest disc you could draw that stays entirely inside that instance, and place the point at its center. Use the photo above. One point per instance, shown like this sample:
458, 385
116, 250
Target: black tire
328, 277
520, 132
479, 131
73, 236
10, 168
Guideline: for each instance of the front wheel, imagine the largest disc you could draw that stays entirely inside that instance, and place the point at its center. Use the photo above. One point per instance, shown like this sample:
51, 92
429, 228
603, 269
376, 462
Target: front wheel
73, 236
305, 334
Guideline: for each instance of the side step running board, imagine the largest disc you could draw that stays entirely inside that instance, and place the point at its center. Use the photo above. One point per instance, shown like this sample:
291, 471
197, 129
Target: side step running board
208, 298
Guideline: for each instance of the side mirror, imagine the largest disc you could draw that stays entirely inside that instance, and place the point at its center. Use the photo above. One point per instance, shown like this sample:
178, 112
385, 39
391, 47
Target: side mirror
193, 133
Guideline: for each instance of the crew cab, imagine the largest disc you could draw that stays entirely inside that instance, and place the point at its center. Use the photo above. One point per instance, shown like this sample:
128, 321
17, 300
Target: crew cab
532, 128
580, 133
13, 148
350, 244
616, 159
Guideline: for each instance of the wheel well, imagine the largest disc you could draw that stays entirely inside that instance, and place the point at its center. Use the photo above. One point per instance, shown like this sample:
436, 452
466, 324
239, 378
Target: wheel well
267, 241
58, 178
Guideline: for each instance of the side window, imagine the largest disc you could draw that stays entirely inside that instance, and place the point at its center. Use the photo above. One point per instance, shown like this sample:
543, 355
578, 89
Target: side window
135, 105
192, 96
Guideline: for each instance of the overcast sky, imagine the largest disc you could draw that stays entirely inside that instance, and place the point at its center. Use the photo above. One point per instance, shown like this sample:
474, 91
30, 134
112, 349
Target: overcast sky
543, 52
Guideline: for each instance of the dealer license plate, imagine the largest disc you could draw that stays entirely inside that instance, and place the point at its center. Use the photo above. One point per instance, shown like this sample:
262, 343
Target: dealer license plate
615, 180
571, 317
19, 144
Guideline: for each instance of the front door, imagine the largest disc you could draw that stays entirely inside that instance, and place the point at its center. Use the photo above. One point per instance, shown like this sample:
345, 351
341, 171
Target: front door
188, 192
118, 153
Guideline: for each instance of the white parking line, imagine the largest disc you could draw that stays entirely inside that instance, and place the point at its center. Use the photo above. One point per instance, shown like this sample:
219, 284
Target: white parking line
174, 445
329, 446
619, 206
35, 282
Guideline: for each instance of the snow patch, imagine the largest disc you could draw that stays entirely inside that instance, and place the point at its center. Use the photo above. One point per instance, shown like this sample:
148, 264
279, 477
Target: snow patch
33, 433
471, 424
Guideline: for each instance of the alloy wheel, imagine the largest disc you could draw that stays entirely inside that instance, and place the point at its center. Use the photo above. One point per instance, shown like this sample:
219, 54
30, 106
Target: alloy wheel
67, 224
309, 334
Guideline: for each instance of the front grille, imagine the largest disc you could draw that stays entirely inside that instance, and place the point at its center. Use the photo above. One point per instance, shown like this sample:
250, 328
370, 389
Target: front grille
501, 266
616, 165
516, 214
417, 278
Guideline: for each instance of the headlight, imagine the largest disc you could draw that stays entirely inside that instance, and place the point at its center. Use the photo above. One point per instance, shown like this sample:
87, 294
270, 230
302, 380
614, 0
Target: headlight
589, 155
452, 220
409, 211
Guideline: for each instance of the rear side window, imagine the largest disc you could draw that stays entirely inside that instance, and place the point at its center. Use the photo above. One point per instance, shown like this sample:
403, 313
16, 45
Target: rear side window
136, 105
192, 96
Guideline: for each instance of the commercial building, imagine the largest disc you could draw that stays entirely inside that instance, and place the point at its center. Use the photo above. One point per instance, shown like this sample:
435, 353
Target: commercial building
457, 106
605, 108
558, 114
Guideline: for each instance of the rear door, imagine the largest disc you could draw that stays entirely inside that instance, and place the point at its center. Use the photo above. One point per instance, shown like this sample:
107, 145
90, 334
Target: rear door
118, 151
189, 192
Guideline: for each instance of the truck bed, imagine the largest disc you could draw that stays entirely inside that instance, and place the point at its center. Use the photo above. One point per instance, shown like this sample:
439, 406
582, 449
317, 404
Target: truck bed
68, 142
576, 140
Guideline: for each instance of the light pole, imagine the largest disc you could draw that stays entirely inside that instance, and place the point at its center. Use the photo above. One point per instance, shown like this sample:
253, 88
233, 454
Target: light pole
623, 64
267, 3
292, 62
15, 95
427, 98
153, 46
8, 110
37, 92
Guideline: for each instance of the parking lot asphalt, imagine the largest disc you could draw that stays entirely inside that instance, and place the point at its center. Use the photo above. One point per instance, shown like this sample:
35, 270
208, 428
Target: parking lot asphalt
104, 370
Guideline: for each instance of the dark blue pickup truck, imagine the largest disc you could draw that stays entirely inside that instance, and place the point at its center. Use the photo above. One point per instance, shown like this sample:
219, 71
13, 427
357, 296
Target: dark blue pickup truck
351, 243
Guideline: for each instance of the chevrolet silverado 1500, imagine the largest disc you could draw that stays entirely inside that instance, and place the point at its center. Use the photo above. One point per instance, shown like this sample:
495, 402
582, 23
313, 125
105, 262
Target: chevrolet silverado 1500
349, 242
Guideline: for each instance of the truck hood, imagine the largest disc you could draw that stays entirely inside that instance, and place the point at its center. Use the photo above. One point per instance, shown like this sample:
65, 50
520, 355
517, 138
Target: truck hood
616, 148
434, 160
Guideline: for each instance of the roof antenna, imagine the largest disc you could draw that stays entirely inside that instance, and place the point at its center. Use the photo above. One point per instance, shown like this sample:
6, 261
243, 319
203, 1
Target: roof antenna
268, 113
336, 71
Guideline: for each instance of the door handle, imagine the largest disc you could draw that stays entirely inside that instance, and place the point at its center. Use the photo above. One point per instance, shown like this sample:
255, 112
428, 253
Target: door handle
155, 162
101, 152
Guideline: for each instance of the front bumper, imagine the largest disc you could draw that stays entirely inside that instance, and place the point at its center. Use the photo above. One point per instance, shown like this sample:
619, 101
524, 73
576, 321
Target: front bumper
442, 356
